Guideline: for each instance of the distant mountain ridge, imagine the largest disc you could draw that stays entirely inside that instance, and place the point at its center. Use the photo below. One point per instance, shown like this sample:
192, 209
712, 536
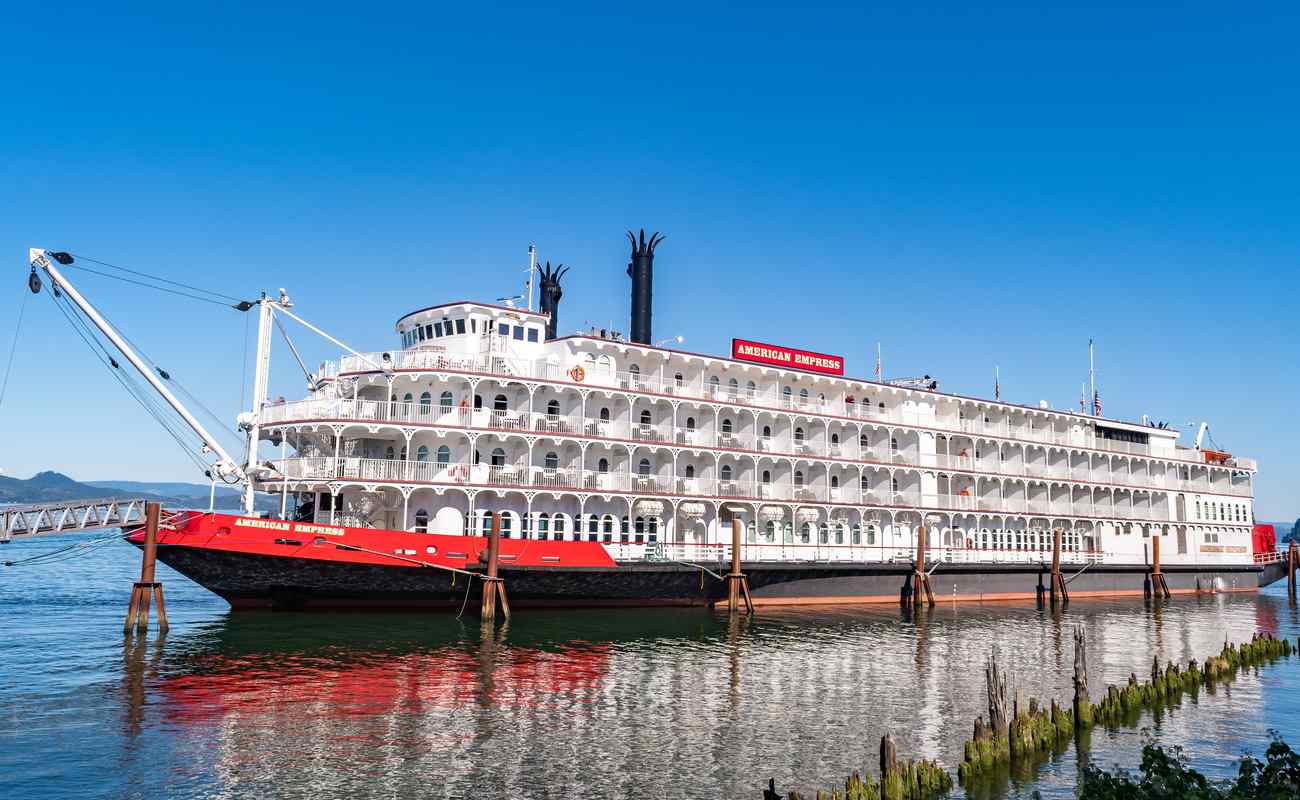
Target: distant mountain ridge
55, 487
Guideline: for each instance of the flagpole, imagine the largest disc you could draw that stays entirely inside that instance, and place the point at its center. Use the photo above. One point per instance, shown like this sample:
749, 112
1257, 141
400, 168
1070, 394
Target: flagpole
1092, 382
997, 384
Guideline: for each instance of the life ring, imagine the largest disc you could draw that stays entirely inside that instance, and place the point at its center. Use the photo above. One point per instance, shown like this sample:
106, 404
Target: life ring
578, 374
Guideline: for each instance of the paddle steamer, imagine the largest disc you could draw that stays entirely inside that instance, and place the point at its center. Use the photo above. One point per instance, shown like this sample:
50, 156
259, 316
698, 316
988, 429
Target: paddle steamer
616, 466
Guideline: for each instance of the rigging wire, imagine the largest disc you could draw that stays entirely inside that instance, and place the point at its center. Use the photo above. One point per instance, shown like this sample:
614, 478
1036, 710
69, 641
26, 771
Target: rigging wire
156, 278
75, 550
13, 348
149, 285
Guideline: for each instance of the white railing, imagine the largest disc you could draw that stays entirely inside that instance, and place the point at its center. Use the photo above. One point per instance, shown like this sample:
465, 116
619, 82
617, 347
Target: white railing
698, 387
761, 549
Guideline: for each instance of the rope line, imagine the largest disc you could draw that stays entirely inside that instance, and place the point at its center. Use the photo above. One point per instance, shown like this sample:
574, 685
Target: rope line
156, 278
13, 348
149, 285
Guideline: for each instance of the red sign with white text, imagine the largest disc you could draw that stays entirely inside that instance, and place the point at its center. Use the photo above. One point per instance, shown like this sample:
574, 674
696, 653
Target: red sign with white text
745, 350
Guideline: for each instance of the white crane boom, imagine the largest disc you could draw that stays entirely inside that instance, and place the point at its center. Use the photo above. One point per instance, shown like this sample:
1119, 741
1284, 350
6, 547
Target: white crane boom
225, 466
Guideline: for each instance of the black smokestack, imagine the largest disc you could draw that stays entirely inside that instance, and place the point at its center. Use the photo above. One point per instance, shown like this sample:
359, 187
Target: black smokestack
551, 294
642, 271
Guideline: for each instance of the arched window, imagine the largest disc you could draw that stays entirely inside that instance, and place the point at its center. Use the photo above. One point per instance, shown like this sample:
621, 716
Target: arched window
803, 396
500, 403
726, 426
604, 414
559, 524
643, 468
798, 477
824, 534
543, 527
426, 402
679, 380
893, 445
864, 442
445, 401
769, 531
553, 407
498, 457
713, 383
389, 453
767, 431
835, 439
422, 453
767, 476
733, 387
552, 460
421, 521
805, 533
635, 370
871, 534
864, 483
602, 465
725, 472
835, 481
407, 398
690, 470
403, 455
505, 526
645, 417
751, 388
893, 482
786, 394
444, 455
855, 534
798, 434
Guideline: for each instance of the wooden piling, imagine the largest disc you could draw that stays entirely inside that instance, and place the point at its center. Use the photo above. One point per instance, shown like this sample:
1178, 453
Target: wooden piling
737, 583
493, 586
1292, 556
922, 592
1082, 701
1158, 586
148, 587
1059, 592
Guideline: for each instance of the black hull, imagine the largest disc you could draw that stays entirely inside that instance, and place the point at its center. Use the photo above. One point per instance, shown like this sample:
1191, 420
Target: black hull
262, 581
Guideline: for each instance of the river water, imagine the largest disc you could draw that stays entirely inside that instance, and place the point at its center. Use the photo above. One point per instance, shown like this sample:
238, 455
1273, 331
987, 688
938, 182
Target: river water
620, 703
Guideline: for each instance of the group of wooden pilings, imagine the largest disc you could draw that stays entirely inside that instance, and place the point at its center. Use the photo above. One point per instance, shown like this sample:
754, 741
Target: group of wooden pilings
148, 587
907, 780
1019, 732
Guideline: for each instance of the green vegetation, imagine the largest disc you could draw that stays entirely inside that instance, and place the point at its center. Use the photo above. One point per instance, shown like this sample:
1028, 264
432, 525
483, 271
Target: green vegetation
1165, 775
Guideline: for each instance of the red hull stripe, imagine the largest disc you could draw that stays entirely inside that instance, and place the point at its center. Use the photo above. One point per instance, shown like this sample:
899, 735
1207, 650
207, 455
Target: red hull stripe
307, 540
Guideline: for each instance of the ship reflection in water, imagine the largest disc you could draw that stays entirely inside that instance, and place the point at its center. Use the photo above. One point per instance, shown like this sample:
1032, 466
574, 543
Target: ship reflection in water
677, 703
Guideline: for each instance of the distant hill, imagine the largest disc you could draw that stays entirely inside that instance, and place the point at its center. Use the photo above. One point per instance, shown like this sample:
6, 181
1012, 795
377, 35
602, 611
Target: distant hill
54, 487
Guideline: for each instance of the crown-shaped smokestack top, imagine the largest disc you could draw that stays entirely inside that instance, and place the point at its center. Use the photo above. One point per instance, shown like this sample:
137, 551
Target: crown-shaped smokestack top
551, 294
641, 269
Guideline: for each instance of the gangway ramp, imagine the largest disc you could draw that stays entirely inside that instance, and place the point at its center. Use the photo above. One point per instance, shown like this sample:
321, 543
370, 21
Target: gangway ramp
69, 516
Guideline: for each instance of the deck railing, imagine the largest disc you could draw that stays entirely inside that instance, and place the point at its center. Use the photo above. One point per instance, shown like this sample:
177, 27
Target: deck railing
434, 413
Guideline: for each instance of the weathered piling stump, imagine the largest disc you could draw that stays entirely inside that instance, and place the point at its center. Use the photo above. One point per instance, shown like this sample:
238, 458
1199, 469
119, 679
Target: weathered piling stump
137, 611
1059, 592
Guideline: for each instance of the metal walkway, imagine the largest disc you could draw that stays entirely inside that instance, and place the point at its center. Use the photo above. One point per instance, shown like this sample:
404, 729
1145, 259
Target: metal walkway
22, 522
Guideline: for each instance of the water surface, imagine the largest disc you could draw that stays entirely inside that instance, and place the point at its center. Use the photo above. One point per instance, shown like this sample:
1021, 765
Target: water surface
621, 703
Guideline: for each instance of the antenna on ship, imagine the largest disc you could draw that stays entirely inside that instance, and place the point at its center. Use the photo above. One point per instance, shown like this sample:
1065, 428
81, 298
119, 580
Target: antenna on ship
532, 273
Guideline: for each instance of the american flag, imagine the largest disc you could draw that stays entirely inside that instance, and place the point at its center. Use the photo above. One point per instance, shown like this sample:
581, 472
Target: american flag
877, 361
1096, 404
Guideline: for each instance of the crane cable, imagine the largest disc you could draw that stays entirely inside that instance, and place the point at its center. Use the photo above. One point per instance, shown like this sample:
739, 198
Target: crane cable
13, 348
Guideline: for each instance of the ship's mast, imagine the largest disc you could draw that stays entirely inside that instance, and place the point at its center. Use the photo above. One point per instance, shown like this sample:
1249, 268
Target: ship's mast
261, 375
226, 465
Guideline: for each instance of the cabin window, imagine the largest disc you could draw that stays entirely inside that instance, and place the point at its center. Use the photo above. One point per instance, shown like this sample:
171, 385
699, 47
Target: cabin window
835, 481
679, 380
786, 394
543, 526
389, 453
552, 460
713, 382
893, 482
602, 465
445, 400
733, 386
798, 477
532, 337
803, 396
767, 476
421, 521
823, 534
426, 402
645, 417
420, 331
690, 423
798, 435
498, 457
726, 426
893, 445
767, 431
500, 403
437, 329
643, 468
690, 471
864, 483
835, 439
726, 472
864, 443
408, 398
478, 402
751, 388
553, 408
855, 534
444, 455
422, 453
805, 533
518, 333
604, 415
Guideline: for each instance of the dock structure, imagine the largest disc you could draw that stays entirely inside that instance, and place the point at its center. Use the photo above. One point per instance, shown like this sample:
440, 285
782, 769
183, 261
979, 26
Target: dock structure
21, 522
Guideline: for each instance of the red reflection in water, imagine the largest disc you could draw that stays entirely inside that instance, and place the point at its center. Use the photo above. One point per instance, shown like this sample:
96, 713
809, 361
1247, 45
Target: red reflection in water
495, 676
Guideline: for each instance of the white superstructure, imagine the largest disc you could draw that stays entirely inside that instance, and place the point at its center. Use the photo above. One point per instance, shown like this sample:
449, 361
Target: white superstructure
642, 448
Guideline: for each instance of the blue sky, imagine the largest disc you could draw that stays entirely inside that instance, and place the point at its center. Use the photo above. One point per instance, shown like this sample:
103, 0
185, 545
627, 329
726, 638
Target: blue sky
971, 186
